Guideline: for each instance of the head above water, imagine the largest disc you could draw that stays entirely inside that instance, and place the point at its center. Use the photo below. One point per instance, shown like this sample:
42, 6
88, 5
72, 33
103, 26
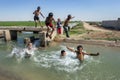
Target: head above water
79, 47
30, 45
63, 53
50, 14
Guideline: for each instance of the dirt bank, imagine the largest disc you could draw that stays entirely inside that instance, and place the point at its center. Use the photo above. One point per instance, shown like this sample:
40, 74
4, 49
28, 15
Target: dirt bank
94, 42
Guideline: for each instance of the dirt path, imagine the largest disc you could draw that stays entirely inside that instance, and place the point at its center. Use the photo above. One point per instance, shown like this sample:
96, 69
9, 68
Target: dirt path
89, 27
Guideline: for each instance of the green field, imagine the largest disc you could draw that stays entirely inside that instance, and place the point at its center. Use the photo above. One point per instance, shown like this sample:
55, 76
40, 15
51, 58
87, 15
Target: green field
78, 29
18, 23
22, 23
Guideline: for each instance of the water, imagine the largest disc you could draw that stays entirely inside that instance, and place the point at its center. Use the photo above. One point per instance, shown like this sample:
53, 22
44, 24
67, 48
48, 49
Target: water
46, 64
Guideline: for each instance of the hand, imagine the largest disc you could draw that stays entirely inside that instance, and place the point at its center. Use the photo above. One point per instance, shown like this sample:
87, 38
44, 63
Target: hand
98, 53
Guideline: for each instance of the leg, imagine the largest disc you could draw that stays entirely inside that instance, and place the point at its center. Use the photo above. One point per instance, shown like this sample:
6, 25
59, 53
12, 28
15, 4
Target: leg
35, 23
68, 28
35, 19
47, 31
51, 32
40, 23
59, 30
66, 31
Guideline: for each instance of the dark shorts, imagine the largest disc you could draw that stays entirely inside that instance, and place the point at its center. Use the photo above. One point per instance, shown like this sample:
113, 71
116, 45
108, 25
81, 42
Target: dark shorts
36, 18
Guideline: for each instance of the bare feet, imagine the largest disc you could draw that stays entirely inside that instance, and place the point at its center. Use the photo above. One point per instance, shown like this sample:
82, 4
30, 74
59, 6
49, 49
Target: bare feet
98, 53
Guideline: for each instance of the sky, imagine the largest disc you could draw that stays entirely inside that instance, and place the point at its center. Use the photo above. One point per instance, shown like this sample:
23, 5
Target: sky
84, 10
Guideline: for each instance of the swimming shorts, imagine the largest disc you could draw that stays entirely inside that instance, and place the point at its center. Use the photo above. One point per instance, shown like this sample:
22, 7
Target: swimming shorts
36, 18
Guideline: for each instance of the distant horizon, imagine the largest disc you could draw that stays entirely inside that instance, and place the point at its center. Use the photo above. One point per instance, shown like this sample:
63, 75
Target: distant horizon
61, 20
42, 21
83, 10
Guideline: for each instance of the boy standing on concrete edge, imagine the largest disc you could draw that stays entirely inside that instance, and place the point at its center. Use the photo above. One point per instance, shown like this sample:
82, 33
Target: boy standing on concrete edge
36, 16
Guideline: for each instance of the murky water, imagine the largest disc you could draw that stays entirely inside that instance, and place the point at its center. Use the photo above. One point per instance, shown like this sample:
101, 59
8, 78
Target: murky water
46, 64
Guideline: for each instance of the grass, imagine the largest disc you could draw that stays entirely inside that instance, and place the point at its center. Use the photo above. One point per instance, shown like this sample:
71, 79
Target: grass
94, 23
18, 23
23, 23
78, 29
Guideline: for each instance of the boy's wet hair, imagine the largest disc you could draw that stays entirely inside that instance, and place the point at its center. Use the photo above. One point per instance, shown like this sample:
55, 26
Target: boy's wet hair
79, 46
50, 14
62, 51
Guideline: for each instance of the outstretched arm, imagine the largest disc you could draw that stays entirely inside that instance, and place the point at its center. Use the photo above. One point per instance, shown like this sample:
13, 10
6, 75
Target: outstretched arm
73, 17
72, 50
34, 12
93, 54
42, 15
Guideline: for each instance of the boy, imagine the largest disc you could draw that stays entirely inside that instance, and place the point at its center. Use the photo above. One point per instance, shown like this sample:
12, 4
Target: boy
29, 51
49, 23
36, 16
59, 24
79, 52
63, 54
65, 25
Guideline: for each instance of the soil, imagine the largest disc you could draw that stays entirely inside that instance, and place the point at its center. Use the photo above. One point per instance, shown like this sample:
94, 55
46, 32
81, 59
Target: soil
95, 35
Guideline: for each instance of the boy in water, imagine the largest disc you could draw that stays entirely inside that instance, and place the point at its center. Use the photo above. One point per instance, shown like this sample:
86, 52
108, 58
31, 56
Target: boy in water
65, 25
29, 51
59, 25
80, 54
63, 54
36, 16
49, 23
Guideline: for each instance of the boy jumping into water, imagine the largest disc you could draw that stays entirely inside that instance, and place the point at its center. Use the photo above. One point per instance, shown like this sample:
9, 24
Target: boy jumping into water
80, 54
36, 16
65, 25
49, 23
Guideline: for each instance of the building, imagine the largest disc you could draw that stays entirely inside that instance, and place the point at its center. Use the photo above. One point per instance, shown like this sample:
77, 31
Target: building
113, 24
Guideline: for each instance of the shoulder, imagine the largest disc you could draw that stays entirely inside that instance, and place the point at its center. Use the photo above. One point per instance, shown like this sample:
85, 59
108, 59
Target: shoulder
52, 18
76, 51
84, 51
35, 11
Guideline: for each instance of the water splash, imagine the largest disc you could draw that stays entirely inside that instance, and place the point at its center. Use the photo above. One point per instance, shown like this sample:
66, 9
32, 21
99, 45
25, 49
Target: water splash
68, 64
20, 53
51, 59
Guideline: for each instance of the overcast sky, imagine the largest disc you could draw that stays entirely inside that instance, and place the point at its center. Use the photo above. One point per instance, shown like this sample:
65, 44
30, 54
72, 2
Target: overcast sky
85, 10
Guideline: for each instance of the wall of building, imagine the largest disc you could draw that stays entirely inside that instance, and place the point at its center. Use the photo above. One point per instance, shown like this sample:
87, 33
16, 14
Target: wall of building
115, 24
